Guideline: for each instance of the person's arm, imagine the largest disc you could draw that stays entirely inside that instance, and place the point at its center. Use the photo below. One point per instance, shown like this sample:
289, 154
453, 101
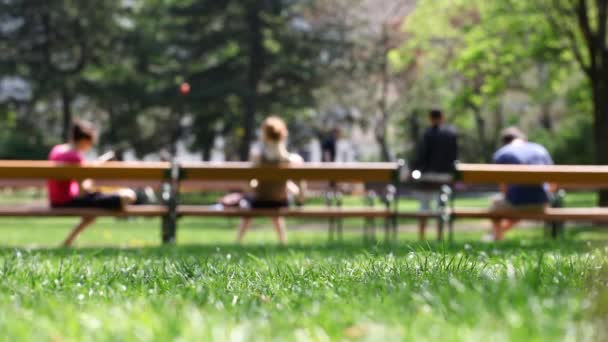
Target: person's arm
552, 187
297, 190
503, 158
88, 185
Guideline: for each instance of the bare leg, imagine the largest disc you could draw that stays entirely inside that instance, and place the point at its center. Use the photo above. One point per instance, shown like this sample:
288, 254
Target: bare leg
245, 222
279, 226
84, 223
505, 226
421, 228
496, 228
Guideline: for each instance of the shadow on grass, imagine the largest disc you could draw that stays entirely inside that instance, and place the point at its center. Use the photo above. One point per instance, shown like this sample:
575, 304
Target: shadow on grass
339, 250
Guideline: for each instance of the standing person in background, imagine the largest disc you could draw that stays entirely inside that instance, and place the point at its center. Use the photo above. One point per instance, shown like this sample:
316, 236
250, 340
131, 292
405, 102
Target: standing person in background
70, 193
329, 146
517, 150
272, 194
436, 154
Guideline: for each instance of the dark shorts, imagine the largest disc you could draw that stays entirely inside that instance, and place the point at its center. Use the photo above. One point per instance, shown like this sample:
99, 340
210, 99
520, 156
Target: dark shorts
94, 200
263, 204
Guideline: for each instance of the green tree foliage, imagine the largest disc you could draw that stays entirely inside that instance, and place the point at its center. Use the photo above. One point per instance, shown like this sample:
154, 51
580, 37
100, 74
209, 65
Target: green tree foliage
487, 55
244, 59
124, 62
482, 57
51, 43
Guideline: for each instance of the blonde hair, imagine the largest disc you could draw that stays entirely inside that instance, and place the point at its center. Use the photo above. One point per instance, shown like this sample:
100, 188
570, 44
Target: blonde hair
274, 129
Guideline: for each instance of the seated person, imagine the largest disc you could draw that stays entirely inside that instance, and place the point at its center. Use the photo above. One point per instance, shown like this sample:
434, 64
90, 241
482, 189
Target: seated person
270, 194
71, 194
517, 150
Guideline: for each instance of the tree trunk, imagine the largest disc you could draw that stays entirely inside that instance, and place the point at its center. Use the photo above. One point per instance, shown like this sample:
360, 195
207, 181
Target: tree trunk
414, 128
256, 64
546, 121
207, 152
385, 152
176, 132
485, 149
600, 109
66, 106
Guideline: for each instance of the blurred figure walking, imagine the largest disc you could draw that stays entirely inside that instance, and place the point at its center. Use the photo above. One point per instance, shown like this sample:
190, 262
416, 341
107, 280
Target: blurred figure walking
436, 154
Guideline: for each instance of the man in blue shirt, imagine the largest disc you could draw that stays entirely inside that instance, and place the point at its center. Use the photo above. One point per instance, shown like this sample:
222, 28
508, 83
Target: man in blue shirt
517, 150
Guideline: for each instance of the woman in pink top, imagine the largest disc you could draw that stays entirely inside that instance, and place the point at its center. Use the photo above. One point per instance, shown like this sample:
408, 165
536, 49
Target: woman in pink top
71, 194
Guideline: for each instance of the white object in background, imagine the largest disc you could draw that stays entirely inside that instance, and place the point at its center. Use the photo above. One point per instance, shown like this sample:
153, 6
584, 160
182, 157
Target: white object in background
314, 148
344, 151
217, 152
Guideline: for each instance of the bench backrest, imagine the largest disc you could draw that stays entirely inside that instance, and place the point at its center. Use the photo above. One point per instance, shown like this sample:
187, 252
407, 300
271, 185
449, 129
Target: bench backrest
532, 174
339, 172
109, 170
208, 172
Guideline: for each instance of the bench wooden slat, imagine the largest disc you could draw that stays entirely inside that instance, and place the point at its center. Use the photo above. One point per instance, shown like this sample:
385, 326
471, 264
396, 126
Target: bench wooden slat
110, 170
340, 172
549, 214
45, 211
532, 174
419, 215
193, 210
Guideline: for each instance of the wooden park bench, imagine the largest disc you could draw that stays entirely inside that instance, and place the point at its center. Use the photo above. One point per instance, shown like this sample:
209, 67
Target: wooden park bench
565, 176
329, 173
173, 176
27, 171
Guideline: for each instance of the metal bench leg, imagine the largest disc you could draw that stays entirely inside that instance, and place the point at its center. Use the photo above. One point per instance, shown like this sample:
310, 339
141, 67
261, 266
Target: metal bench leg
340, 221
440, 228
170, 193
369, 223
390, 198
395, 228
451, 229
441, 220
451, 216
557, 228
444, 208
387, 230
169, 229
168, 222
329, 199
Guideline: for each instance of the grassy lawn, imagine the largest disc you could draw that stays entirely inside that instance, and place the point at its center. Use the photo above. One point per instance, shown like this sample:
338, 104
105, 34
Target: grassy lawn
205, 288
120, 285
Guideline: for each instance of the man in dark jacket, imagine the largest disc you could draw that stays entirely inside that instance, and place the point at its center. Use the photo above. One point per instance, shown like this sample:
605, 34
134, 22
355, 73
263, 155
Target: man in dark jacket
435, 157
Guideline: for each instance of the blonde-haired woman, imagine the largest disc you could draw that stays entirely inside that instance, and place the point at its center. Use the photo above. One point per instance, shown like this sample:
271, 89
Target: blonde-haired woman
272, 194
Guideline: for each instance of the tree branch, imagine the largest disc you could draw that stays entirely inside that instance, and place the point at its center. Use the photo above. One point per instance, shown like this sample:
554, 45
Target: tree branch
560, 26
602, 8
585, 27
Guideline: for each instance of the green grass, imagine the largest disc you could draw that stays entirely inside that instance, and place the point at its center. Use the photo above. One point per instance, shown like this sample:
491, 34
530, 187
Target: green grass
206, 288
119, 284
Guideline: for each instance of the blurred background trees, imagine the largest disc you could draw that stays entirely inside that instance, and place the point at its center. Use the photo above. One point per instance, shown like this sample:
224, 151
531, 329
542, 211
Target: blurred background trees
372, 68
